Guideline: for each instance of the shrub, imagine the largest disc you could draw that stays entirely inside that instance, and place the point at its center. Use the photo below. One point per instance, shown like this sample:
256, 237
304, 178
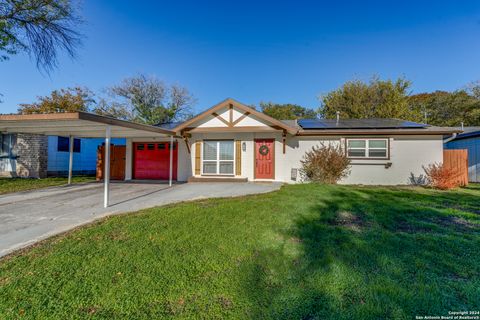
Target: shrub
420, 180
441, 177
325, 164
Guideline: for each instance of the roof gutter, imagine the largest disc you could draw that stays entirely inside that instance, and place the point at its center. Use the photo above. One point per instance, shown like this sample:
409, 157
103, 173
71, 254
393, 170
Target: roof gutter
370, 132
454, 135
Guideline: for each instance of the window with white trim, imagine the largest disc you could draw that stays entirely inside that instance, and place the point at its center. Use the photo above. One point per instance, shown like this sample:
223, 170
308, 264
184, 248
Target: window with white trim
218, 157
367, 148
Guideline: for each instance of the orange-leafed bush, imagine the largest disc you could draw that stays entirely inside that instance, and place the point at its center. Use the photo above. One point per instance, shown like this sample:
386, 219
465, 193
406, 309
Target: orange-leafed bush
325, 164
441, 177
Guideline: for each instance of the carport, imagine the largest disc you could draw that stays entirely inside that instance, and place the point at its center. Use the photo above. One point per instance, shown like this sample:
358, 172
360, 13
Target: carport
84, 125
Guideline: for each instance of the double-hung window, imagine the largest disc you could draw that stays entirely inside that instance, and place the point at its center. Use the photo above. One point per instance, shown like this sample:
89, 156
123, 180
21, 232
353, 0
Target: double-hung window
367, 148
218, 157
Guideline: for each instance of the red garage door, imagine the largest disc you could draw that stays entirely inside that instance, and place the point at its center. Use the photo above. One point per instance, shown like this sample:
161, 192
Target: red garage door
151, 160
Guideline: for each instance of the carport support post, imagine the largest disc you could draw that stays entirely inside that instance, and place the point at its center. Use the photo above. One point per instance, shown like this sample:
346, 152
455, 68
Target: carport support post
106, 176
171, 162
70, 159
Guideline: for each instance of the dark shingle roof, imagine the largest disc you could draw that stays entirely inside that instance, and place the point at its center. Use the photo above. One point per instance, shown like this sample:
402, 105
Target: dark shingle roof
373, 123
169, 125
291, 123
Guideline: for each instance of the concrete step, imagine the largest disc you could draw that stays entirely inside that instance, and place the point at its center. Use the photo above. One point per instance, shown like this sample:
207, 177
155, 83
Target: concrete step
217, 179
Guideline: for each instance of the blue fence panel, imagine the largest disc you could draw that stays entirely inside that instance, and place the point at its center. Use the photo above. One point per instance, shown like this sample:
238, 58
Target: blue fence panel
84, 162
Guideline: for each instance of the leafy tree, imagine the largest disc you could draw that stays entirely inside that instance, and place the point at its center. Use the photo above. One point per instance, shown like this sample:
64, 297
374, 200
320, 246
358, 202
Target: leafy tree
448, 108
148, 100
287, 111
39, 27
63, 100
391, 99
375, 99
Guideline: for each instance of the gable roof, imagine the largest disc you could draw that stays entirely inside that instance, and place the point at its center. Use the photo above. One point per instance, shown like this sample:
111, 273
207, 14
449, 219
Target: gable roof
229, 101
317, 127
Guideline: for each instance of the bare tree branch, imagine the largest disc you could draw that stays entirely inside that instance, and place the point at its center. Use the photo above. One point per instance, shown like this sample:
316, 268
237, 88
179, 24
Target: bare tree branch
42, 28
149, 100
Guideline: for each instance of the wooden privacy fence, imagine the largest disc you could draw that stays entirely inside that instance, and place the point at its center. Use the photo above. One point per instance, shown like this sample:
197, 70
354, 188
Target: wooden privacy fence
117, 162
457, 161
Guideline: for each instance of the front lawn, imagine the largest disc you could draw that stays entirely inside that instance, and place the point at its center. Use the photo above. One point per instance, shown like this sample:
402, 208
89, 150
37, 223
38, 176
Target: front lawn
8, 185
304, 252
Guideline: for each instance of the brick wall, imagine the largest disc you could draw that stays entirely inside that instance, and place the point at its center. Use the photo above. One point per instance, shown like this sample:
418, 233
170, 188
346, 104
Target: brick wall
31, 155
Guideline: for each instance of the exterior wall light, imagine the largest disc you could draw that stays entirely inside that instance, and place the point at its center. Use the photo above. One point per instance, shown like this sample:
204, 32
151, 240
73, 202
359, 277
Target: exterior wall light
244, 146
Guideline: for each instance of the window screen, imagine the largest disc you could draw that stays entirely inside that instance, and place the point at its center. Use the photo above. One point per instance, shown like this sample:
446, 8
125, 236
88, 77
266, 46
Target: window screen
367, 148
218, 157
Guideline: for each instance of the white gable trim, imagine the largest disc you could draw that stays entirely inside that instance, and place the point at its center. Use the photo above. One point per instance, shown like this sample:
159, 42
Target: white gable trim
229, 117
231, 114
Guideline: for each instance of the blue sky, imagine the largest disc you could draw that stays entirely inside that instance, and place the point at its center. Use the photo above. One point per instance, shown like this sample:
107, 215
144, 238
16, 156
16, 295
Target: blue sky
280, 51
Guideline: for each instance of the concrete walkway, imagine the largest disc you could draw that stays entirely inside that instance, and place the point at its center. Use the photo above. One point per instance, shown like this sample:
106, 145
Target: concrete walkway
27, 217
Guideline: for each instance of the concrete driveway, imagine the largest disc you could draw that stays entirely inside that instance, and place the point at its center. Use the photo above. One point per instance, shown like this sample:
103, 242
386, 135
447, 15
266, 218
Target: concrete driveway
27, 217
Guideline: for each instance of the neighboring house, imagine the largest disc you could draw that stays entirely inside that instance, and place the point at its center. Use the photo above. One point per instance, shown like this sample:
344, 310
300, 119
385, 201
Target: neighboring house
84, 155
37, 156
470, 140
231, 141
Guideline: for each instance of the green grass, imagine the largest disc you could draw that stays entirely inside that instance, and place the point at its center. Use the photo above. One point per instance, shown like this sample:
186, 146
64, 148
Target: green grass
8, 185
304, 252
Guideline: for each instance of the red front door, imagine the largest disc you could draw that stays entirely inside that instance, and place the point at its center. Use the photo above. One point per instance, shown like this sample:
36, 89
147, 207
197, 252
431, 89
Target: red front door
264, 159
152, 160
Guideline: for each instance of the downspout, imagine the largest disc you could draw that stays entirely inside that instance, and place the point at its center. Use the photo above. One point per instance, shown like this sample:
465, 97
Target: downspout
454, 135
